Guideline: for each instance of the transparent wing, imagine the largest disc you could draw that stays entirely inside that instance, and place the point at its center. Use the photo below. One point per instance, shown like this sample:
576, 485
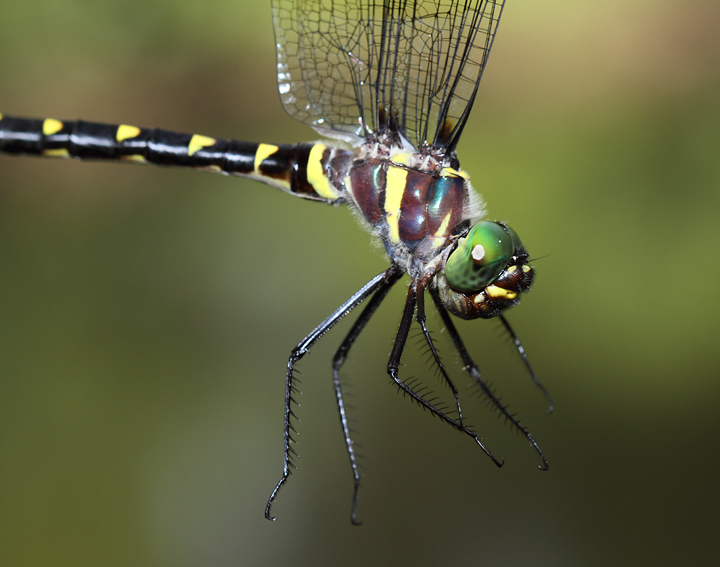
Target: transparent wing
352, 67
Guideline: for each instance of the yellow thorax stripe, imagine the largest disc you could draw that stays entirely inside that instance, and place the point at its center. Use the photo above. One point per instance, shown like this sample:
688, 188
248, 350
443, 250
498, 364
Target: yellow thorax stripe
450, 172
394, 190
441, 233
401, 159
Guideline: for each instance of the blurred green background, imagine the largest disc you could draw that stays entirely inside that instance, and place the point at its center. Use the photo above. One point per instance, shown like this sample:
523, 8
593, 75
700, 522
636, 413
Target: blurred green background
146, 314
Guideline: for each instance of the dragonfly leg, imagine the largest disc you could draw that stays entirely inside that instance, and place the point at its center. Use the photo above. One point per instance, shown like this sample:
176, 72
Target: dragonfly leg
393, 275
421, 319
394, 363
521, 350
290, 389
474, 373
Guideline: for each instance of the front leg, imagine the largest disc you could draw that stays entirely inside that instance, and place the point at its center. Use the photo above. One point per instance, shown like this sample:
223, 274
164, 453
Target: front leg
474, 373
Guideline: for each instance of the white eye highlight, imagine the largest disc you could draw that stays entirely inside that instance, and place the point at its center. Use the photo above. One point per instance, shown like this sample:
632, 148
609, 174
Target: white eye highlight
478, 253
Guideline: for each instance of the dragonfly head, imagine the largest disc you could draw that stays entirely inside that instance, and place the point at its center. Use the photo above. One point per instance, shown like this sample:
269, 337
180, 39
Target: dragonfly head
485, 273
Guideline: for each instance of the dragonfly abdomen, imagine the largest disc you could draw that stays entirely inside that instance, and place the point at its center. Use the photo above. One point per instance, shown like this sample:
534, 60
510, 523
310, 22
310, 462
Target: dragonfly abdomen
299, 169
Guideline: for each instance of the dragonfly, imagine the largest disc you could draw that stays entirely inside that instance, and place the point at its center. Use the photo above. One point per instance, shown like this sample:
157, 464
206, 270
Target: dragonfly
389, 84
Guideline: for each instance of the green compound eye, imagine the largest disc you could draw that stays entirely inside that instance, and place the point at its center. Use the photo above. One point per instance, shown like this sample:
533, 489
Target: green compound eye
481, 256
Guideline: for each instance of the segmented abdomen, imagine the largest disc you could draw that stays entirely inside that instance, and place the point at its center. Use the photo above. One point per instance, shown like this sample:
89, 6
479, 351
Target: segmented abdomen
300, 169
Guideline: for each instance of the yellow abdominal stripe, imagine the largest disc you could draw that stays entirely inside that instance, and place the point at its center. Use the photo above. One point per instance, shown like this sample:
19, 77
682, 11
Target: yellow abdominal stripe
134, 157
198, 142
58, 152
51, 126
263, 152
125, 132
316, 176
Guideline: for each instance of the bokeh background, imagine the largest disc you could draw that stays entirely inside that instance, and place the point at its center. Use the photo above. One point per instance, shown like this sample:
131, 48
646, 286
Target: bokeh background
146, 314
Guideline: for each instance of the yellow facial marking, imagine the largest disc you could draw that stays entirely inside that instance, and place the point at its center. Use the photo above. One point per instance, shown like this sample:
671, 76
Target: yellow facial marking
450, 172
316, 175
495, 292
394, 189
134, 157
441, 233
263, 152
59, 152
125, 132
526, 269
51, 126
198, 142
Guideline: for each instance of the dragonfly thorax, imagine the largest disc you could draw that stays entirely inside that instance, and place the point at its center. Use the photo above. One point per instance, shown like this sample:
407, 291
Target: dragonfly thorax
413, 204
